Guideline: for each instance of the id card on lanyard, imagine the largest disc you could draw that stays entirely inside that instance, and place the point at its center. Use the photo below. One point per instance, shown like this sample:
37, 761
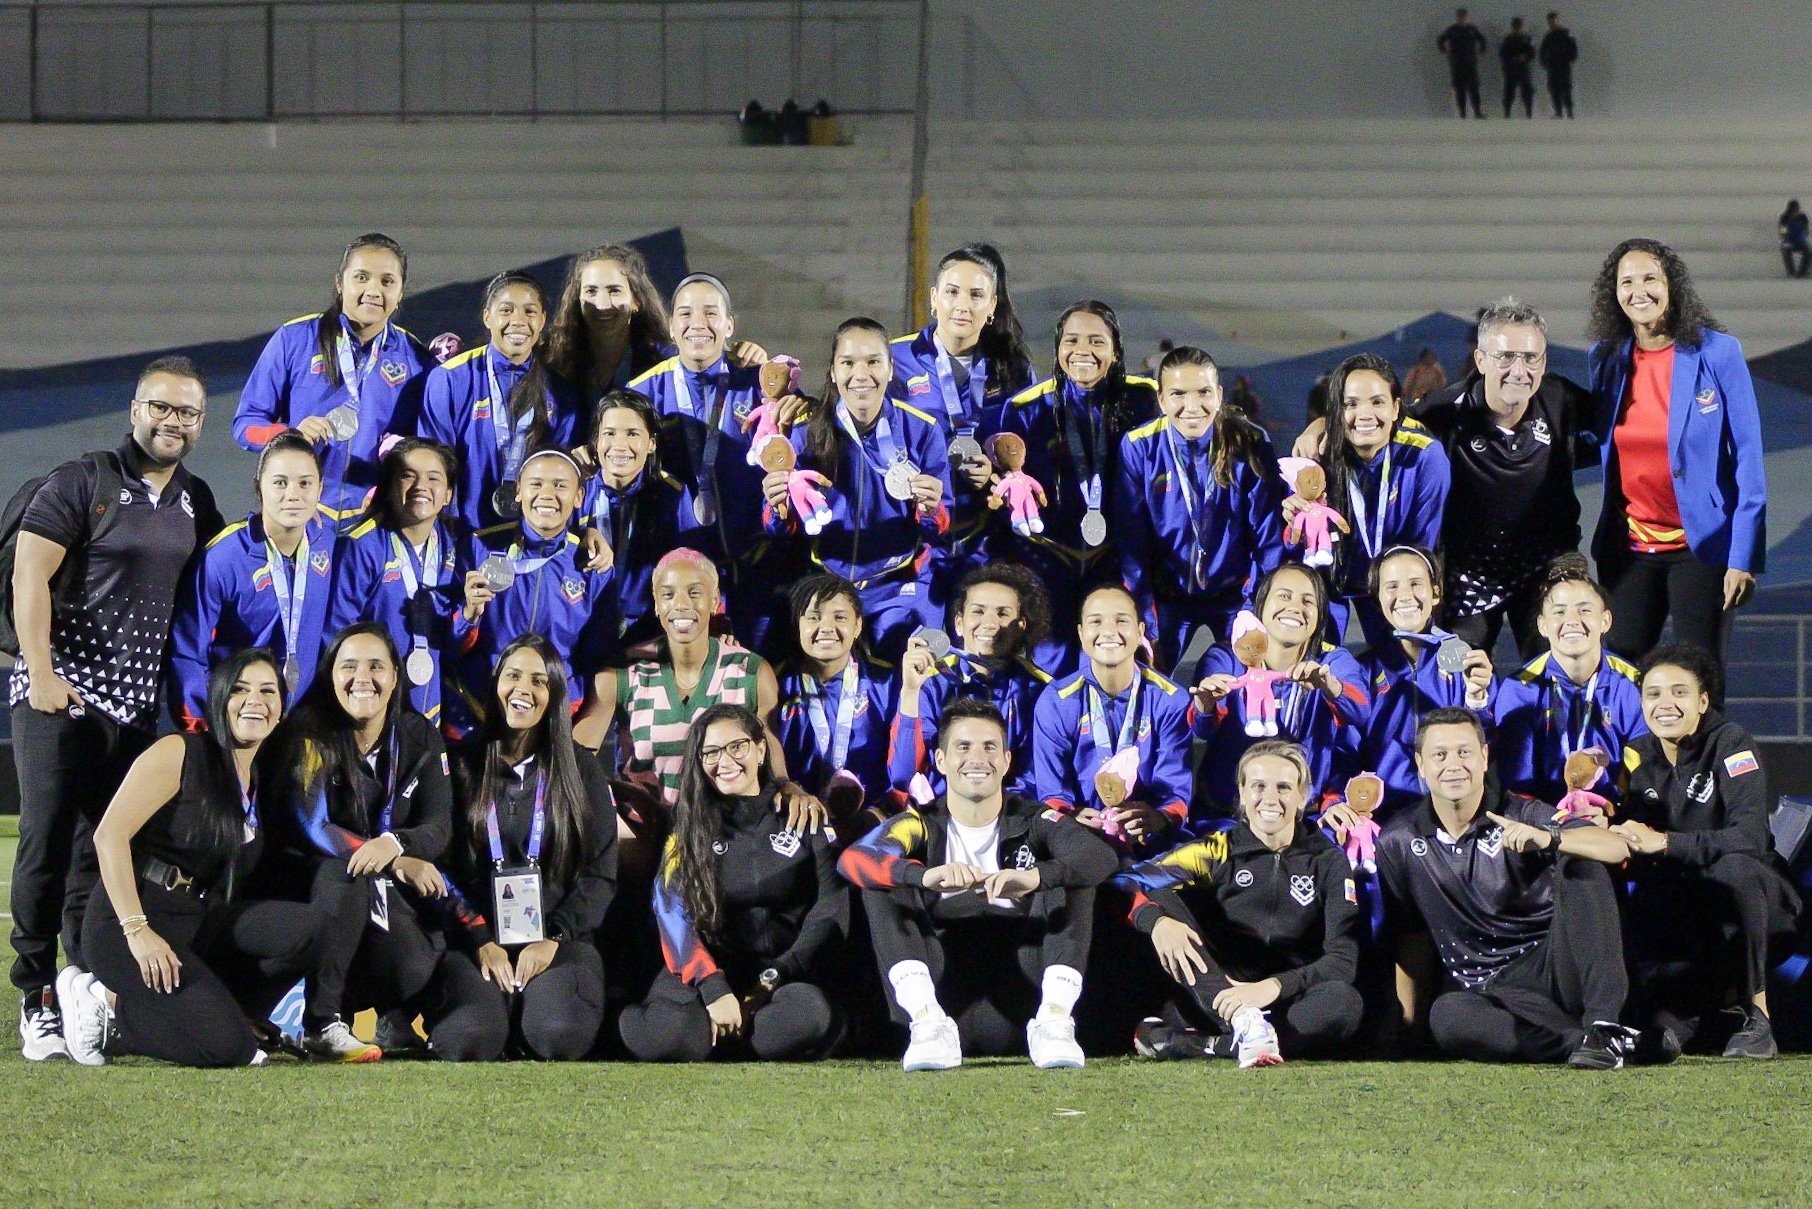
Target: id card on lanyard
1097, 724
833, 745
516, 890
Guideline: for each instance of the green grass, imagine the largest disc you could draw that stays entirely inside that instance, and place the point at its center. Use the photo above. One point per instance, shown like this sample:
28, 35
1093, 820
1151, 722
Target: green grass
1702, 1133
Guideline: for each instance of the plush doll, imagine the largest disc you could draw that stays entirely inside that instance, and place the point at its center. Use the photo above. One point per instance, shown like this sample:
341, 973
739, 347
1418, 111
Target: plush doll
803, 487
1018, 491
1363, 793
1115, 781
779, 378
1583, 770
1317, 527
1256, 683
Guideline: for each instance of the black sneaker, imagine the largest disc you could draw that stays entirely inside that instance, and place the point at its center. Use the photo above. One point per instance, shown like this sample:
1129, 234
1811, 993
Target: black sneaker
396, 1034
1656, 1045
1754, 1040
1155, 1039
1605, 1046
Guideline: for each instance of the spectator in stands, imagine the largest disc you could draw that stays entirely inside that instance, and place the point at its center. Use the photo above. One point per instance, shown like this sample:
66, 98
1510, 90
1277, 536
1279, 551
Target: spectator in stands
492, 405
120, 526
1696, 820
1516, 54
1683, 532
1508, 915
1795, 251
959, 370
1558, 51
1425, 375
346, 378
889, 495
1462, 43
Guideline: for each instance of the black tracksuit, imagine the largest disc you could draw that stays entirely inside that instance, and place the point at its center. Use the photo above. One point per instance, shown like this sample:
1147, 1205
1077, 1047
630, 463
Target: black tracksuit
1515, 53
239, 954
987, 961
1291, 915
782, 906
1558, 50
1529, 941
1718, 885
558, 1015
1463, 44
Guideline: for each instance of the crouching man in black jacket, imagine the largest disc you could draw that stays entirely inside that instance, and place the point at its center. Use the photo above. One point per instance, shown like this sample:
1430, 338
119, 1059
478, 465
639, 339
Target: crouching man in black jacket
1705, 882
1520, 910
980, 906
1263, 917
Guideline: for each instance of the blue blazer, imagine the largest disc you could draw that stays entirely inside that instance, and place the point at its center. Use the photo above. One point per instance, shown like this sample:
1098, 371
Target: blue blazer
1714, 440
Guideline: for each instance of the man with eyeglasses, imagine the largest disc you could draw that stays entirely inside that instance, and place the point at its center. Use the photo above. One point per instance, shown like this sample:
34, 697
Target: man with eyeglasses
101, 547
1514, 434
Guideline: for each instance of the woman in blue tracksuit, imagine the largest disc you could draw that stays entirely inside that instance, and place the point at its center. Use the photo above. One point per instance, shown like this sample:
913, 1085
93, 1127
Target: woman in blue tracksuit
632, 511
264, 581
405, 564
1683, 532
968, 361
836, 706
494, 404
1323, 697
1072, 423
549, 592
889, 496
1197, 518
346, 377
1385, 475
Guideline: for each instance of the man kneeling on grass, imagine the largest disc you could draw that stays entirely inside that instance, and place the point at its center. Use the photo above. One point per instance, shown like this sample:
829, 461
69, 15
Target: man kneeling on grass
1259, 919
1519, 907
994, 936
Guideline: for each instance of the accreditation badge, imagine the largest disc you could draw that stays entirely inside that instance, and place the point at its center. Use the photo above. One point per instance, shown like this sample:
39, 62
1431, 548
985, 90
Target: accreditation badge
380, 902
516, 894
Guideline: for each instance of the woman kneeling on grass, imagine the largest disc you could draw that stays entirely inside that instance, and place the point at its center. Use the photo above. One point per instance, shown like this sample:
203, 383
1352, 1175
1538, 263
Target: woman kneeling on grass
746, 906
182, 962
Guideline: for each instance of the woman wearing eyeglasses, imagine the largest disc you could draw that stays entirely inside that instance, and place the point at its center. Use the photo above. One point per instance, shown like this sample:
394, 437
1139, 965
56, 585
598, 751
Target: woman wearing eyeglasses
747, 907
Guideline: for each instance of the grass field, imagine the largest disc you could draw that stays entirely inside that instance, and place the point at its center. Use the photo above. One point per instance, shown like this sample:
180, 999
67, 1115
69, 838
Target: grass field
1704, 1133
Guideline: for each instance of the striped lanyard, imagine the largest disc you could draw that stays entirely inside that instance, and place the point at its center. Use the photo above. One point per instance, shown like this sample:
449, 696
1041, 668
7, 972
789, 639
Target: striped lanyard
495, 832
834, 745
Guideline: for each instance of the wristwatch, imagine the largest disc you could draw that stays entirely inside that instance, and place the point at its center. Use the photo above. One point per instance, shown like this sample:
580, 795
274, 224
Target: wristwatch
768, 980
1553, 829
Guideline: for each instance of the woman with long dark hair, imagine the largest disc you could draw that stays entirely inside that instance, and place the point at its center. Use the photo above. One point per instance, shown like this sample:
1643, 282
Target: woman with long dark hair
182, 959
261, 582
746, 907
959, 369
1071, 424
494, 404
889, 495
610, 324
345, 377
1683, 532
534, 856
359, 792
836, 704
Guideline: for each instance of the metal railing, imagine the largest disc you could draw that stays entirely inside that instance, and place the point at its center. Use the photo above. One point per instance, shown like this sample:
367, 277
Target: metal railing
1765, 692
317, 59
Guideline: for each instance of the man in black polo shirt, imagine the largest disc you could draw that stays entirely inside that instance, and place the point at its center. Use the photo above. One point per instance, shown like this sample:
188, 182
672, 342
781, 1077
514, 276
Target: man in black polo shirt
92, 610
1519, 909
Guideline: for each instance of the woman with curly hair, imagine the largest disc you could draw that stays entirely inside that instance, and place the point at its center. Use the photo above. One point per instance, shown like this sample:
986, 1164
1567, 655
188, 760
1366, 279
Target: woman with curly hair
610, 323
1683, 530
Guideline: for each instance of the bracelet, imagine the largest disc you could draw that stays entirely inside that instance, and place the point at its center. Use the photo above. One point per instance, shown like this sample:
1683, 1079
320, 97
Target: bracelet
129, 920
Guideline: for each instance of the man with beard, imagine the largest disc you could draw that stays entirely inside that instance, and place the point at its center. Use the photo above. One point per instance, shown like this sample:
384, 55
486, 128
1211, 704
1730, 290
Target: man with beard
102, 546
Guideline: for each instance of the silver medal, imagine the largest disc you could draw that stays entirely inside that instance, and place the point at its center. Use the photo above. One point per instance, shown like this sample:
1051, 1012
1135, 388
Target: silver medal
1094, 527
292, 673
344, 420
504, 502
420, 666
498, 573
899, 480
704, 508
1450, 656
964, 450
937, 642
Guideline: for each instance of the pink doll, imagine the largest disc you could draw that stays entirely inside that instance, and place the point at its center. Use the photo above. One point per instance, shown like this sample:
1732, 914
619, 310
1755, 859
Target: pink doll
1019, 491
1257, 682
779, 378
1316, 527
1114, 783
1582, 771
802, 486
1363, 793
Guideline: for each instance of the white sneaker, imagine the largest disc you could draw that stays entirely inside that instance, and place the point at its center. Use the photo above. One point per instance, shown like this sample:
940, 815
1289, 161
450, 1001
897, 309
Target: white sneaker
934, 1045
1256, 1039
1051, 1040
335, 1041
86, 1020
41, 1028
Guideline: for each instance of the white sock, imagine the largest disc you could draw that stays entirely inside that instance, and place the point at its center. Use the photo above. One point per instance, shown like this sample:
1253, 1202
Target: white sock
1062, 987
259, 1058
913, 989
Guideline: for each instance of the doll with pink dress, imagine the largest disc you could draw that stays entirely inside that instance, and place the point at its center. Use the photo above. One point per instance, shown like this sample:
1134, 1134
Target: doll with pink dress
1017, 491
804, 488
1316, 526
779, 378
1257, 684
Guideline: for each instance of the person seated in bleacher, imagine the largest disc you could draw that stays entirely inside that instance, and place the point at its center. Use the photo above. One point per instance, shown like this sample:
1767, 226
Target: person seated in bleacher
1258, 920
1576, 697
1706, 890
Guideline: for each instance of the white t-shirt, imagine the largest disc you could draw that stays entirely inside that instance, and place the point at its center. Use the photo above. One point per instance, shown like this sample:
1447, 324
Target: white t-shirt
978, 847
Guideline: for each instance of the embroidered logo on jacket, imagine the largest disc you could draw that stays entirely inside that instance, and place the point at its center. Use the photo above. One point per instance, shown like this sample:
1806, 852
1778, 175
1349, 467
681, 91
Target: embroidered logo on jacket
320, 560
1302, 888
1740, 763
786, 843
395, 372
1023, 859
1707, 401
1492, 842
1243, 878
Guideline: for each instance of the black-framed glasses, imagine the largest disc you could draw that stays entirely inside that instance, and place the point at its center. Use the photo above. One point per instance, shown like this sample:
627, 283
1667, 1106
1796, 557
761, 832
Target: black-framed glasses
736, 749
188, 417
